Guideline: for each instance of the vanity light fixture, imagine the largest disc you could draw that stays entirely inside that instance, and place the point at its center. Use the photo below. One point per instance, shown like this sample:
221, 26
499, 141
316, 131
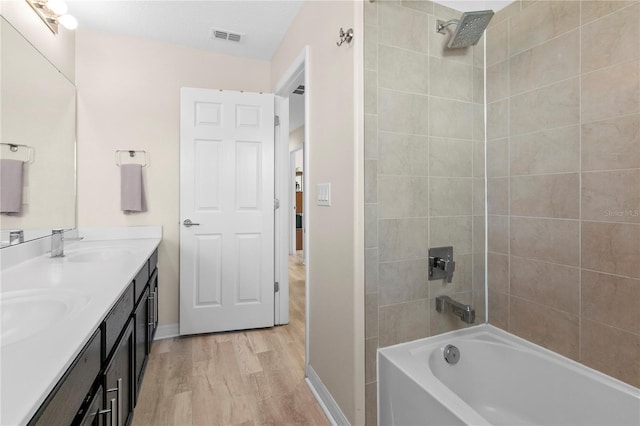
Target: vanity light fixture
53, 13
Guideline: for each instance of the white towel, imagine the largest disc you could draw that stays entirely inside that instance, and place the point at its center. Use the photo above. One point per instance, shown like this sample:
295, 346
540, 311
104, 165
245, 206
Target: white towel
132, 197
11, 185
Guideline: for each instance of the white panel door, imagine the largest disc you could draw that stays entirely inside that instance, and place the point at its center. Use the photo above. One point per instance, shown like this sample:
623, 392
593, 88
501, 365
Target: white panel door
227, 193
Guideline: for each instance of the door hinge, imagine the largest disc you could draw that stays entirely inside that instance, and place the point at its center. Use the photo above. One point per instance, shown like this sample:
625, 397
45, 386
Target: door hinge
276, 287
276, 204
276, 120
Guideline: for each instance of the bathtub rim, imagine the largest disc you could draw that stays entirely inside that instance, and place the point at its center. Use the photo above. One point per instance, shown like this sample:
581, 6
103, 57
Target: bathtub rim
402, 356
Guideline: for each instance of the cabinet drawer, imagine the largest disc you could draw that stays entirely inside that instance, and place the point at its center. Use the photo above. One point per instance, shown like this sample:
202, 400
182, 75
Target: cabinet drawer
116, 320
141, 280
65, 400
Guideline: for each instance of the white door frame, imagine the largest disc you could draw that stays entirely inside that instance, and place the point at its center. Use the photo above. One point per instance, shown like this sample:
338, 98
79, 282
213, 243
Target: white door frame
282, 91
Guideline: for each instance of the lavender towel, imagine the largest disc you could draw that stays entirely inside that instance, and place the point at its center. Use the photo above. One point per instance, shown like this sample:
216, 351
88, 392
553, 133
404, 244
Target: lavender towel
10, 186
132, 198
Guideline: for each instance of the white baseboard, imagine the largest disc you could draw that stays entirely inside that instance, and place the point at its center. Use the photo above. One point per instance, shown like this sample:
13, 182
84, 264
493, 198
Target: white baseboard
326, 401
167, 331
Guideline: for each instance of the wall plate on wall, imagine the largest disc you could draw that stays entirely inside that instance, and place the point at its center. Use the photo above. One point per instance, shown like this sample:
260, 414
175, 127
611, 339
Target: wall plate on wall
324, 194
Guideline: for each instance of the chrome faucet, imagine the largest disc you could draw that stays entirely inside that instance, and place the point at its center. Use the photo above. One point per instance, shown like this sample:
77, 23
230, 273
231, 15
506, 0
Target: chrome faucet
464, 312
57, 243
16, 237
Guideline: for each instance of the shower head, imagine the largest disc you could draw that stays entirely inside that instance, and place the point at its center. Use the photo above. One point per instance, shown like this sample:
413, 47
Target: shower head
469, 28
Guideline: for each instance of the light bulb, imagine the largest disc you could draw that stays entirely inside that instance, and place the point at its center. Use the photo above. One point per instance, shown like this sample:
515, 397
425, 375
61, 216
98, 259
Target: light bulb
59, 7
68, 21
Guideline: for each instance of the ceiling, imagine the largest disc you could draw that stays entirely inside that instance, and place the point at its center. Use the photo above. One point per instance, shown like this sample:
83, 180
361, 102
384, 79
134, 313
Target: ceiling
261, 23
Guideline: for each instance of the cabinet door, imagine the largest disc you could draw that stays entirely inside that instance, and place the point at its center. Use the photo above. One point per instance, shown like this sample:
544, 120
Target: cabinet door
141, 316
94, 413
119, 376
153, 307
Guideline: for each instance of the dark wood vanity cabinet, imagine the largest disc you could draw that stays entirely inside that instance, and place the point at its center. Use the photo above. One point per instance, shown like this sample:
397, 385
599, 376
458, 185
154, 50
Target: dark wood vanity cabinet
102, 385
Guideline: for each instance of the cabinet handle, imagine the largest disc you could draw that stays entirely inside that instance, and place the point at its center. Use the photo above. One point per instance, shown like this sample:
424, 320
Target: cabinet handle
118, 391
151, 312
155, 308
112, 417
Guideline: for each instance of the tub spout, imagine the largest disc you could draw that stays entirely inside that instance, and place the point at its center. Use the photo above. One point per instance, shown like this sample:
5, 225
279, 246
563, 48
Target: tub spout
464, 312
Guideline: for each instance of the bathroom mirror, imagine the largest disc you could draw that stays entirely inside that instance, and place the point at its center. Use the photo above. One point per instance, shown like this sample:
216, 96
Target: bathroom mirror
37, 113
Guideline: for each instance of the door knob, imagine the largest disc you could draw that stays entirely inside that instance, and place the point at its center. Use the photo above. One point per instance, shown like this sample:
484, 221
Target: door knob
188, 223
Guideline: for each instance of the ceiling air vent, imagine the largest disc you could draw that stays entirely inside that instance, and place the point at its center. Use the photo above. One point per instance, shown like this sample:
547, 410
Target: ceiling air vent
225, 35
299, 90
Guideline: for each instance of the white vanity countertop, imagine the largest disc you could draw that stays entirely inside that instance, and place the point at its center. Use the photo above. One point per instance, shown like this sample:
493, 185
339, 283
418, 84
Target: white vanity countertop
95, 272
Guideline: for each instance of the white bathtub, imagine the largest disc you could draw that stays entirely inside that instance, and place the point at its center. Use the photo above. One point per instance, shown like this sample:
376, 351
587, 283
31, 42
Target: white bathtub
500, 379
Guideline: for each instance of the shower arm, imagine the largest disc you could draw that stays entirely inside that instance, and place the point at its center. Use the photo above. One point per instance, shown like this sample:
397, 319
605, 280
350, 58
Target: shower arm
442, 25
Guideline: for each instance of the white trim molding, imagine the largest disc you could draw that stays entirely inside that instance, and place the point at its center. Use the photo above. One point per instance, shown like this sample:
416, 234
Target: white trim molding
327, 403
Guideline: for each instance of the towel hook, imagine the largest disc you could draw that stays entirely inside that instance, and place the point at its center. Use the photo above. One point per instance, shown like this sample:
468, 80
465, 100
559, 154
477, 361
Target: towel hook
132, 154
15, 147
345, 37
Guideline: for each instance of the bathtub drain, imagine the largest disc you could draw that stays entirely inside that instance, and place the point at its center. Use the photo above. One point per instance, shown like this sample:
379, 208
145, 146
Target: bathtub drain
451, 354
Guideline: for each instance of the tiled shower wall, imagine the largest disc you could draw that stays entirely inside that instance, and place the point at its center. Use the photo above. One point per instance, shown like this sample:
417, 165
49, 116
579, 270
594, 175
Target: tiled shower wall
424, 183
563, 86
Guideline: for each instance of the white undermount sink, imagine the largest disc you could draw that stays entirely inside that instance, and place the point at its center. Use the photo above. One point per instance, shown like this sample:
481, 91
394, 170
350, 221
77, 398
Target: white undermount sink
29, 312
98, 254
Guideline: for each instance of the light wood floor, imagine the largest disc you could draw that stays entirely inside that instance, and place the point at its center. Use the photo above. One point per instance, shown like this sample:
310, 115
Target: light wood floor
251, 377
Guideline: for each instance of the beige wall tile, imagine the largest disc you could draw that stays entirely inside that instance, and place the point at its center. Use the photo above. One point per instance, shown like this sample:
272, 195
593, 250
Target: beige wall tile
478, 53
403, 112
611, 196
404, 322
370, 137
498, 309
540, 22
401, 154
497, 41
555, 60
370, 353
553, 329
450, 157
498, 81
370, 92
403, 196
371, 315
403, 27
549, 151
371, 47
478, 158
370, 225
478, 196
450, 119
421, 5
548, 284
402, 281
611, 247
597, 341
401, 239
450, 79
507, 12
478, 122
612, 39
479, 236
498, 120
451, 231
498, 234
498, 195
498, 158
550, 240
594, 9
611, 92
478, 85
402, 69
552, 106
371, 403
555, 196
371, 13
498, 273
450, 196
371, 270
370, 181
611, 144
611, 300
